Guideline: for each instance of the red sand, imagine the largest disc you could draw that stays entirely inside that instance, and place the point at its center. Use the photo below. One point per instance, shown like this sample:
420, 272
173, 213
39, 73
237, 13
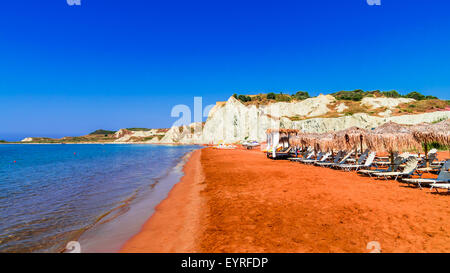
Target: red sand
240, 201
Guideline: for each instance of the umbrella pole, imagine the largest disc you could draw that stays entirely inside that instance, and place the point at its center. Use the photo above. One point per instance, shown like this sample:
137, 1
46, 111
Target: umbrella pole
426, 154
361, 141
391, 155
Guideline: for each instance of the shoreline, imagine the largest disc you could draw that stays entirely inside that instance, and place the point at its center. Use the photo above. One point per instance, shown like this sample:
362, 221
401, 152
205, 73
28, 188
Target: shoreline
175, 224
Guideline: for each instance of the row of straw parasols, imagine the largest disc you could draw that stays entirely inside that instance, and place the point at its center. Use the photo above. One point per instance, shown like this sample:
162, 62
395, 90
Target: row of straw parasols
389, 137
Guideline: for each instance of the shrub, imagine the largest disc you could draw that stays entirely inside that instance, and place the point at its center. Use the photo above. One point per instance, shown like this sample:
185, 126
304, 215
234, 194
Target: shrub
244, 98
355, 95
138, 129
415, 95
281, 97
391, 94
271, 96
102, 132
301, 95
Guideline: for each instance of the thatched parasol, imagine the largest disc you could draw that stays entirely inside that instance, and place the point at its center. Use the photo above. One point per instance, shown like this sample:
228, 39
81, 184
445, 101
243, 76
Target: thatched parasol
438, 132
284, 135
392, 137
327, 142
323, 142
350, 138
428, 133
283, 131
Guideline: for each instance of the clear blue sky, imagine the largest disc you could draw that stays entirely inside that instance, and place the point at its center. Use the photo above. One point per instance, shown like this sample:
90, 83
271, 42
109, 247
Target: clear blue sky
68, 70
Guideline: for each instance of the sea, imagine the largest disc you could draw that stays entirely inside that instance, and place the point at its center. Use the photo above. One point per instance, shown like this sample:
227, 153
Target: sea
94, 196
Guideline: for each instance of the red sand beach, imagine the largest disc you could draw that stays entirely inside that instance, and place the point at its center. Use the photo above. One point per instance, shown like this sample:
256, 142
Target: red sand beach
240, 201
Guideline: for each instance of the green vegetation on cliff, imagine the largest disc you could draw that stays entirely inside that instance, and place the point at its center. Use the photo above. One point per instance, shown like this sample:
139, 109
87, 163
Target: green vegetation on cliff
102, 132
358, 94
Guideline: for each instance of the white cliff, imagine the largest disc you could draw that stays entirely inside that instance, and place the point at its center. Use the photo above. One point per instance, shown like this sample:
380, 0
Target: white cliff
233, 121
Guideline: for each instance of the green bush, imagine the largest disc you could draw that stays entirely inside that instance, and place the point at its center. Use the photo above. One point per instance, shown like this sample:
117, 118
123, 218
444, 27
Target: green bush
301, 95
355, 95
281, 97
391, 94
102, 132
271, 96
415, 95
244, 98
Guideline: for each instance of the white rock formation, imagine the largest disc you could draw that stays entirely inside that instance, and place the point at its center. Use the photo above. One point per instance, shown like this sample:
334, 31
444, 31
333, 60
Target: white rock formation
341, 107
362, 120
306, 108
390, 103
233, 121
27, 139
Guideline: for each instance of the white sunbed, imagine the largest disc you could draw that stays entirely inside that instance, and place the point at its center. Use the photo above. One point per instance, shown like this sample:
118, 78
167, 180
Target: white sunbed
336, 160
304, 155
312, 161
342, 161
437, 186
410, 167
443, 177
355, 167
345, 165
392, 168
308, 156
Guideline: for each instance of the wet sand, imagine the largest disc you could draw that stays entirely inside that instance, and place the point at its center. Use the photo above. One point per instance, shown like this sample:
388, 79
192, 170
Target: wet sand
240, 201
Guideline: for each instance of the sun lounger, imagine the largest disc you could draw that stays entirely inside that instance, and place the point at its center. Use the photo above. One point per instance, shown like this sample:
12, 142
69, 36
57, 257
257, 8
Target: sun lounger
443, 177
336, 159
306, 155
409, 169
368, 162
342, 161
359, 162
391, 168
437, 186
281, 154
312, 161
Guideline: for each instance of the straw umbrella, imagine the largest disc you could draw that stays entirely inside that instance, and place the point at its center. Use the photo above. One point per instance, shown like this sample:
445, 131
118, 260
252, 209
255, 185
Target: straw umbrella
428, 133
351, 138
392, 137
322, 142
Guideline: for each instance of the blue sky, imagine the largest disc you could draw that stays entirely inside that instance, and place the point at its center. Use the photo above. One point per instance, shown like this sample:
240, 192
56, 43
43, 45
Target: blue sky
68, 70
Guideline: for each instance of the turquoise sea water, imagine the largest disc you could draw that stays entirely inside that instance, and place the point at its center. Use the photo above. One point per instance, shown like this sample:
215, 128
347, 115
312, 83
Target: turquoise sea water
52, 194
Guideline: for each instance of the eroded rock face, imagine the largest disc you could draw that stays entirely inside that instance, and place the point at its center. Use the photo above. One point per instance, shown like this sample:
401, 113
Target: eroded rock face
389, 103
362, 120
311, 107
122, 132
341, 107
27, 139
233, 121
